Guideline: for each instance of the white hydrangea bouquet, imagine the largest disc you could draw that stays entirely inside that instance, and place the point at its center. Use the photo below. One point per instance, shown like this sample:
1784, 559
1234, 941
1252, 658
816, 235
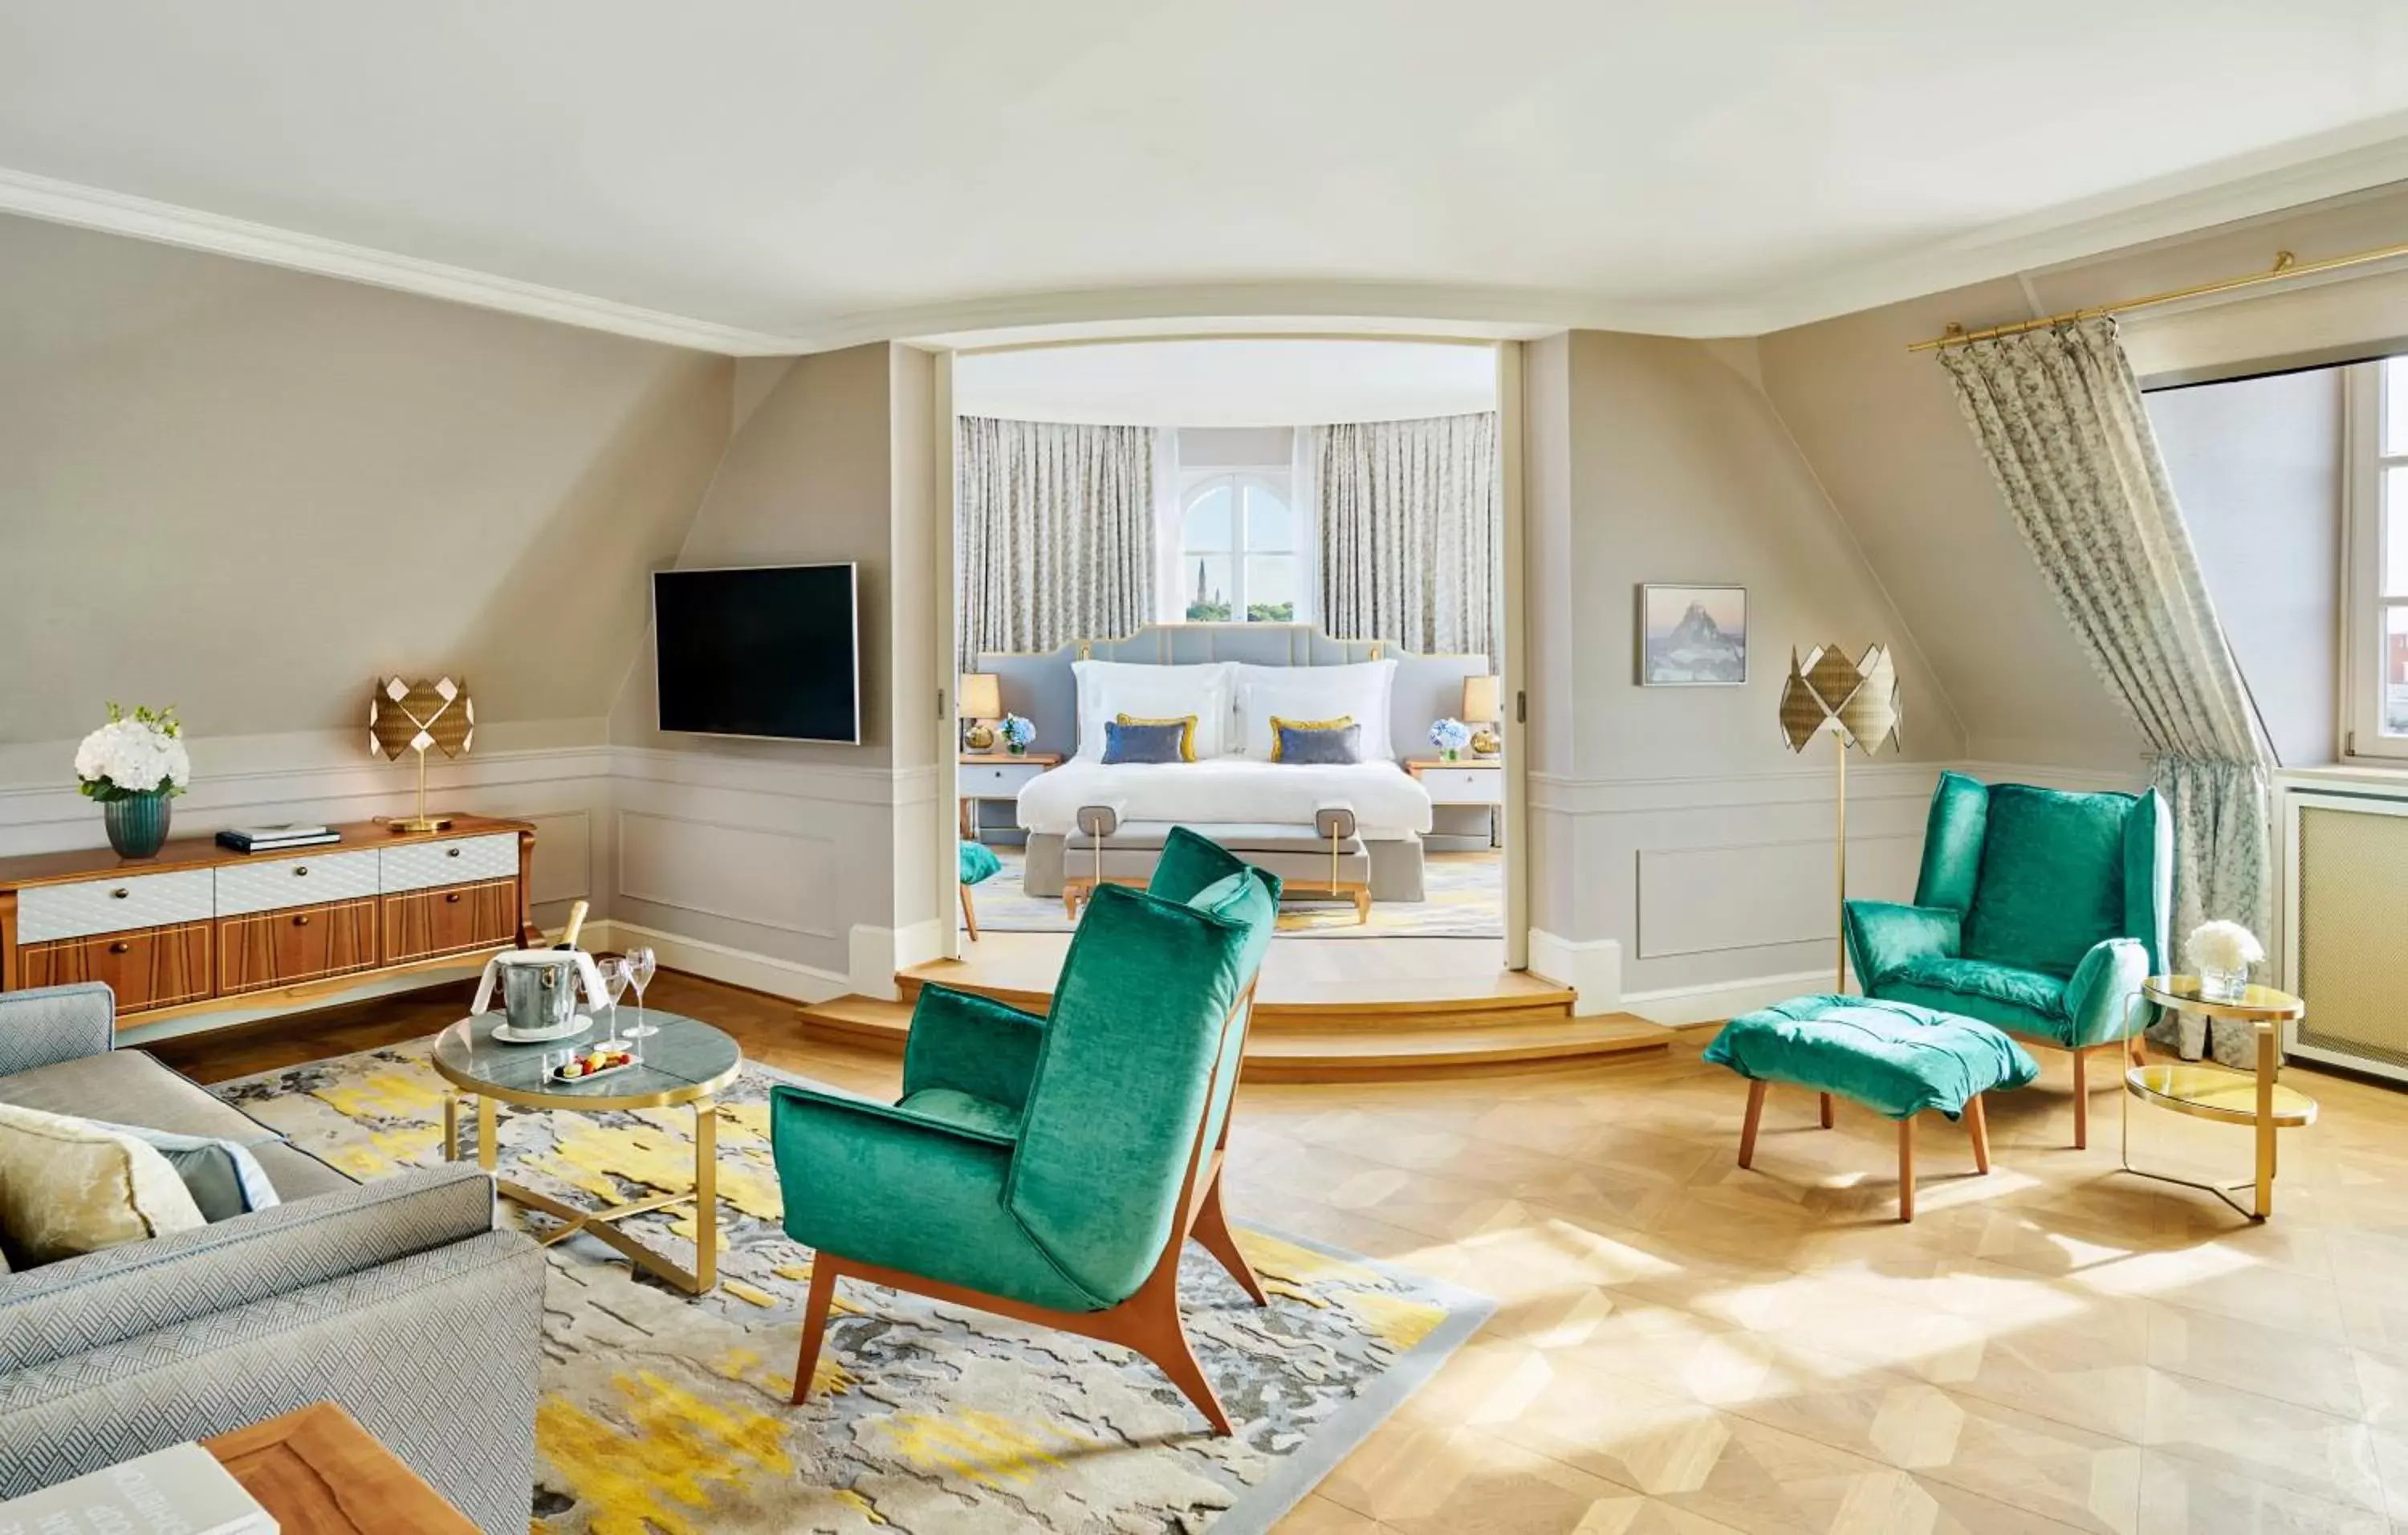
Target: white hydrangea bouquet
2223, 953
138, 754
1017, 733
1450, 736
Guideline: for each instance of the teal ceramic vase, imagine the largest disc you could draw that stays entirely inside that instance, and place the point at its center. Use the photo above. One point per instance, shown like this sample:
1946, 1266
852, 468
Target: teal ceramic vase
137, 824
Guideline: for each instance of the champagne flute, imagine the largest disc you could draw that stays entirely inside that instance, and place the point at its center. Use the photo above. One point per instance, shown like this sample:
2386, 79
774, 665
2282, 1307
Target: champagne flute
640, 966
614, 981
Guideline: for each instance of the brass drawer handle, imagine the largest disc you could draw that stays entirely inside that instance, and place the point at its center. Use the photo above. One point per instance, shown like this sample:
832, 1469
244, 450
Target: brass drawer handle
451, 898
299, 869
301, 921
451, 852
121, 946
120, 893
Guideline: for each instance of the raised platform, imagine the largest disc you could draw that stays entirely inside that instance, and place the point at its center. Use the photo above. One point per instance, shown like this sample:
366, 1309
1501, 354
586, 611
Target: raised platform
1364, 1010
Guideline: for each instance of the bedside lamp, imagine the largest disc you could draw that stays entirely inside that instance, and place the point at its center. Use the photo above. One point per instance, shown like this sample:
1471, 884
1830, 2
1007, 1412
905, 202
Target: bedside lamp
417, 717
1483, 706
980, 702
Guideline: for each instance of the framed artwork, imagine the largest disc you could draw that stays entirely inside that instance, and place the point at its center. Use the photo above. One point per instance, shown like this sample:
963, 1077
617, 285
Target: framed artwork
1692, 636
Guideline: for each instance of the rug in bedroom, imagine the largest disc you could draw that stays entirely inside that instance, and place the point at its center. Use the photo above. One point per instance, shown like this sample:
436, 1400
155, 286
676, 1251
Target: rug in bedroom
1464, 891
662, 1414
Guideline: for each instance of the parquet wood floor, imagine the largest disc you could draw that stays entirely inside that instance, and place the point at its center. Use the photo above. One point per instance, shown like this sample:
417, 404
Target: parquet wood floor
1685, 1347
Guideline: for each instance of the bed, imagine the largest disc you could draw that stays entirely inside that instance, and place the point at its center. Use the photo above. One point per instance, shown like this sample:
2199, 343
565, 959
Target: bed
1290, 670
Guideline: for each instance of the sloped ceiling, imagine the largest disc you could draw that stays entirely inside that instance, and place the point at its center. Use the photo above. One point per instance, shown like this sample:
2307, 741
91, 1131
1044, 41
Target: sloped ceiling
247, 491
1881, 426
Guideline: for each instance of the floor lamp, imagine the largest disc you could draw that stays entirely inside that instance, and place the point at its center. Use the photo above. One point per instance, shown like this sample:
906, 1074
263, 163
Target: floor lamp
1856, 704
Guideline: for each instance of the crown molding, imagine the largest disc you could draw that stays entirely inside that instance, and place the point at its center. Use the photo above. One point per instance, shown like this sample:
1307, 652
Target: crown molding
2167, 208
117, 213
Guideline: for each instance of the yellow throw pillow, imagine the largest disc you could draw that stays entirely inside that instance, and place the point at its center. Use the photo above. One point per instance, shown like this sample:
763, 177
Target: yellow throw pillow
1186, 734
1279, 724
68, 1186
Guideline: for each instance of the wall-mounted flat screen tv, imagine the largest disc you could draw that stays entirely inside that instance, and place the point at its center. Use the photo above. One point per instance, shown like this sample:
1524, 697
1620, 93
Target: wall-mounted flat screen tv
767, 650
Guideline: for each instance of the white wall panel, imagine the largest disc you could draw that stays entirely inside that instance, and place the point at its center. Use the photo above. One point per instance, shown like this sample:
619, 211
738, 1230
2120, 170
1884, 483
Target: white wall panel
1760, 894
769, 879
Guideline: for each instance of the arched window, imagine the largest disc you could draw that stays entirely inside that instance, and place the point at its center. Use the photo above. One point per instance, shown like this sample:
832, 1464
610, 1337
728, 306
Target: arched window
1238, 560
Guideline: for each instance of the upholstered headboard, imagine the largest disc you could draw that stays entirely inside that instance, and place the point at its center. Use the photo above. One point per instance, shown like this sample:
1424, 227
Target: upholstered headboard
1043, 688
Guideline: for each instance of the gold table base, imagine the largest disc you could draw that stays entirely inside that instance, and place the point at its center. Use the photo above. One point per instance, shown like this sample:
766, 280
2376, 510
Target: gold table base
600, 1224
2256, 1100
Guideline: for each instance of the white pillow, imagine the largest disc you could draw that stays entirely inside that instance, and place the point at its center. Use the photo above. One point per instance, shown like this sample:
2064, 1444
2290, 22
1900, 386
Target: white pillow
1358, 691
1109, 688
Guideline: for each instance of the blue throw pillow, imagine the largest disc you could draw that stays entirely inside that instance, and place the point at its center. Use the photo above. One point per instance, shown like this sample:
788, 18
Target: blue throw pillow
223, 1178
1145, 742
1319, 746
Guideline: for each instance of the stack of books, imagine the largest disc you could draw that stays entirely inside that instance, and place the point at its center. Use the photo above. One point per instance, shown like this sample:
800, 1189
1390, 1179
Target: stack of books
275, 838
177, 1491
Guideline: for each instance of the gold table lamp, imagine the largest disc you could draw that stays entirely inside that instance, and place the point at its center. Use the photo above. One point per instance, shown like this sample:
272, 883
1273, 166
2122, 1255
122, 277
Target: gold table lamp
979, 704
1483, 706
416, 717
1856, 702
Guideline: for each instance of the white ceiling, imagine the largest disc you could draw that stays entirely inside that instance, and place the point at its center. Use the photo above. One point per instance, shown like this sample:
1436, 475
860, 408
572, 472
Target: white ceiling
1228, 382
764, 175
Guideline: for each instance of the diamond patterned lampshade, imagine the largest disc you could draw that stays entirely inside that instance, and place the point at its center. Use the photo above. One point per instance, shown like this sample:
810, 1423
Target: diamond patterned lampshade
420, 717
1856, 700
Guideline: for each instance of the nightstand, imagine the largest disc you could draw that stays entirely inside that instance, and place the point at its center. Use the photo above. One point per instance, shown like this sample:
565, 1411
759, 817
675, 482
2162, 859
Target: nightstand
1466, 780
995, 775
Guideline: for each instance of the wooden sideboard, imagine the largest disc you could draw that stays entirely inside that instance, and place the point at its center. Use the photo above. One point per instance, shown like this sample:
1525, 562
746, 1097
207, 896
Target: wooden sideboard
203, 926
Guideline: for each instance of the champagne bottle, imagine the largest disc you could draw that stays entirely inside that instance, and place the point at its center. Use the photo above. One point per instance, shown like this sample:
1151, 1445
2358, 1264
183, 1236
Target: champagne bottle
575, 924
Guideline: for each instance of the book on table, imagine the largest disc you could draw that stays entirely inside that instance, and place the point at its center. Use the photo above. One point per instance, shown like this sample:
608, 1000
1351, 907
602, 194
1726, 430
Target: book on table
269, 838
181, 1489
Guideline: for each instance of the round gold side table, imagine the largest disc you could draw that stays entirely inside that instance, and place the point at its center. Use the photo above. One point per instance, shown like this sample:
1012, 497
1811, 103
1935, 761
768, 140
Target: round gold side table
2219, 1094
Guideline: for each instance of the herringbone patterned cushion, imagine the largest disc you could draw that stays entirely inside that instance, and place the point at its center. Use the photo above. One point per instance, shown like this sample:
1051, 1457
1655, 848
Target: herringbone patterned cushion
436, 1355
101, 1299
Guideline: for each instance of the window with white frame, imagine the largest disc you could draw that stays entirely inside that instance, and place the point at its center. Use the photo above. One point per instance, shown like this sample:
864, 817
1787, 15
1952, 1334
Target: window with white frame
1238, 555
2377, 653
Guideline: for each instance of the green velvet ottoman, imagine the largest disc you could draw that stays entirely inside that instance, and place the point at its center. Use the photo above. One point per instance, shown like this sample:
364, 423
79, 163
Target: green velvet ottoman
1896, 1059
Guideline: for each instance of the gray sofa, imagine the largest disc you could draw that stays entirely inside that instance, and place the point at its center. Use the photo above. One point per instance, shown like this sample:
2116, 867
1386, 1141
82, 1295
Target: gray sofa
399, 1299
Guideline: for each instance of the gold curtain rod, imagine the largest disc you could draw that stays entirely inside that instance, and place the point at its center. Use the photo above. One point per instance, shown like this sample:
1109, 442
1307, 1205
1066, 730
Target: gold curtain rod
2286, 267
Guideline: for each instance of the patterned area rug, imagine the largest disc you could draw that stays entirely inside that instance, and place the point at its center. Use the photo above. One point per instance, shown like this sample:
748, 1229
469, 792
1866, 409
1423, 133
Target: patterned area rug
1465, 897
666, 1415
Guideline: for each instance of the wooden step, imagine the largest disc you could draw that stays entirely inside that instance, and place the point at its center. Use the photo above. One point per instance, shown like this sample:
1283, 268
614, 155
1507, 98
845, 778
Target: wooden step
1335, 1011
1353, 1051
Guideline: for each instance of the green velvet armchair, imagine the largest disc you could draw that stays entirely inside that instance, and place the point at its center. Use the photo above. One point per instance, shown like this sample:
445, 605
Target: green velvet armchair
1051, 1169
2036, 911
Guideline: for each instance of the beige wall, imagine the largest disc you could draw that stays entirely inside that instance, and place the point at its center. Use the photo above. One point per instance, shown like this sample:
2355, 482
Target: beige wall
1671, 823
247, 491
813, 859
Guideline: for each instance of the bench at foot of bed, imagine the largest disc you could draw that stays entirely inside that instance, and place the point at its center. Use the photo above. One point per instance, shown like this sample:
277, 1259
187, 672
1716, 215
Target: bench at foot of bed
1324, 858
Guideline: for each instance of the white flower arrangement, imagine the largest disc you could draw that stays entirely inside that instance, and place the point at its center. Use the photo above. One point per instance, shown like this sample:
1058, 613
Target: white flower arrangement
2223, 948
1016, 732
141, 753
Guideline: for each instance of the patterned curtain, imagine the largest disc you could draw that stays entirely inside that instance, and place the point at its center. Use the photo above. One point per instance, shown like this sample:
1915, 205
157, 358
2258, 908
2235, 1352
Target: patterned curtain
1054, 532
2060, 418
1412, 529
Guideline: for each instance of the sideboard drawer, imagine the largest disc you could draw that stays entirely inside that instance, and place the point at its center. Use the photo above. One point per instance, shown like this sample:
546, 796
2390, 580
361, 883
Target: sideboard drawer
308, 879
459, 861
113, 904
422, 924
285, 947
995, 779
150, 968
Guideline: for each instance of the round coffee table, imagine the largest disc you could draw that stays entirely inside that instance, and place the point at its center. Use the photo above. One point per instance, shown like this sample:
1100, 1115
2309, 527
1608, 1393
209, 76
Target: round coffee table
685, 1063
2219, 1094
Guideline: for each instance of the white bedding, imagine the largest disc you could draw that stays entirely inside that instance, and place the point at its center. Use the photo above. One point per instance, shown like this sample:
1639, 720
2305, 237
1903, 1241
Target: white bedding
1388, 802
